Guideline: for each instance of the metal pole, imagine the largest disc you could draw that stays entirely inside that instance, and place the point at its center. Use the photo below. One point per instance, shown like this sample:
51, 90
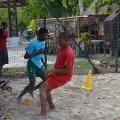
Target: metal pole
12, 15
16, 20
45, 55
9, 16
96, 7
64, 28
78, 21
81, 7
116, 53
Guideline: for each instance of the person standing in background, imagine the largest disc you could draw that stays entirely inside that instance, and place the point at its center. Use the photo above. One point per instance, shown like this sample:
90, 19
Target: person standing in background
3, 46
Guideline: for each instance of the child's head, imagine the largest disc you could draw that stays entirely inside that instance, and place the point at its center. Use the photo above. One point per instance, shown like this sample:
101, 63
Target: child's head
42, 34
4, 25
63, 39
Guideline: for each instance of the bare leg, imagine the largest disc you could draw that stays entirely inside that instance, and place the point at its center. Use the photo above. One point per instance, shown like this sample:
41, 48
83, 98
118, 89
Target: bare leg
38, 86
43, 99
0, 72
49, 96
45, 96
28, 88
1, 66
49, 99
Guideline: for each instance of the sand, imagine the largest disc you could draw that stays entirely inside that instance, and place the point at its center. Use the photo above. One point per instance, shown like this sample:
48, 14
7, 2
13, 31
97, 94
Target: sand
72, 101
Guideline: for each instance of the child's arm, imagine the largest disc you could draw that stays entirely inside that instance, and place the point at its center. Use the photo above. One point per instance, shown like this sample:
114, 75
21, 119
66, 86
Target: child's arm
27, 56
60, 70
41, 51
44, 63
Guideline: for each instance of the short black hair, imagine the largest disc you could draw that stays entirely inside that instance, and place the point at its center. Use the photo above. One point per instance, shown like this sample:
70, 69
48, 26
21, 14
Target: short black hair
65, 35
42, 31
3, 23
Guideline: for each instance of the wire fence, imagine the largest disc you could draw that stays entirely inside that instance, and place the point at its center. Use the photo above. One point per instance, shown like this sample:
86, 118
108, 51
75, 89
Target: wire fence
96, 44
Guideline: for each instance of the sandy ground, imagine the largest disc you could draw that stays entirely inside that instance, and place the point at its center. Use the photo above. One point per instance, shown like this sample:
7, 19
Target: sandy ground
71, 101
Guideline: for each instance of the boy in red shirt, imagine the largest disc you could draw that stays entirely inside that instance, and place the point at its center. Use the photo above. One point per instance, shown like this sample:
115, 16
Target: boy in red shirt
61, 74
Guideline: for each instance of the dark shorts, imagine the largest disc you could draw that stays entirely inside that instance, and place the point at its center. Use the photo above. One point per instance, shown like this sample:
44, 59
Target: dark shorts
34, 71
3, 57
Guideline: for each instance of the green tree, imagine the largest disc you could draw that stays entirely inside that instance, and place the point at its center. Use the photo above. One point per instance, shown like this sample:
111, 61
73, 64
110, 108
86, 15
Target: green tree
108, 4
73, 5
3, 15
58, 8
35, 9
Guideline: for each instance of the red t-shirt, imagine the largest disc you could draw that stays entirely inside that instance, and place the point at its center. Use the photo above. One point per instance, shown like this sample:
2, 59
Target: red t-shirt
3, 40
65, 57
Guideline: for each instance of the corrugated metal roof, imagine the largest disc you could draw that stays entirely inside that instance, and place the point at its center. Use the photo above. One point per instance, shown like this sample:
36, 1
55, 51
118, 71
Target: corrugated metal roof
112, 16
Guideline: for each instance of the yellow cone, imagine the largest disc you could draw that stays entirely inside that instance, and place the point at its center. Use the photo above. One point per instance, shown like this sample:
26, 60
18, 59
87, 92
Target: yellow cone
88, 82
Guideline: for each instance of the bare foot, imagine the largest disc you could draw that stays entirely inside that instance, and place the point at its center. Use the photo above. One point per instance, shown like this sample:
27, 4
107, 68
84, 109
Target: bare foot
118, 118
41, 117
52, 107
